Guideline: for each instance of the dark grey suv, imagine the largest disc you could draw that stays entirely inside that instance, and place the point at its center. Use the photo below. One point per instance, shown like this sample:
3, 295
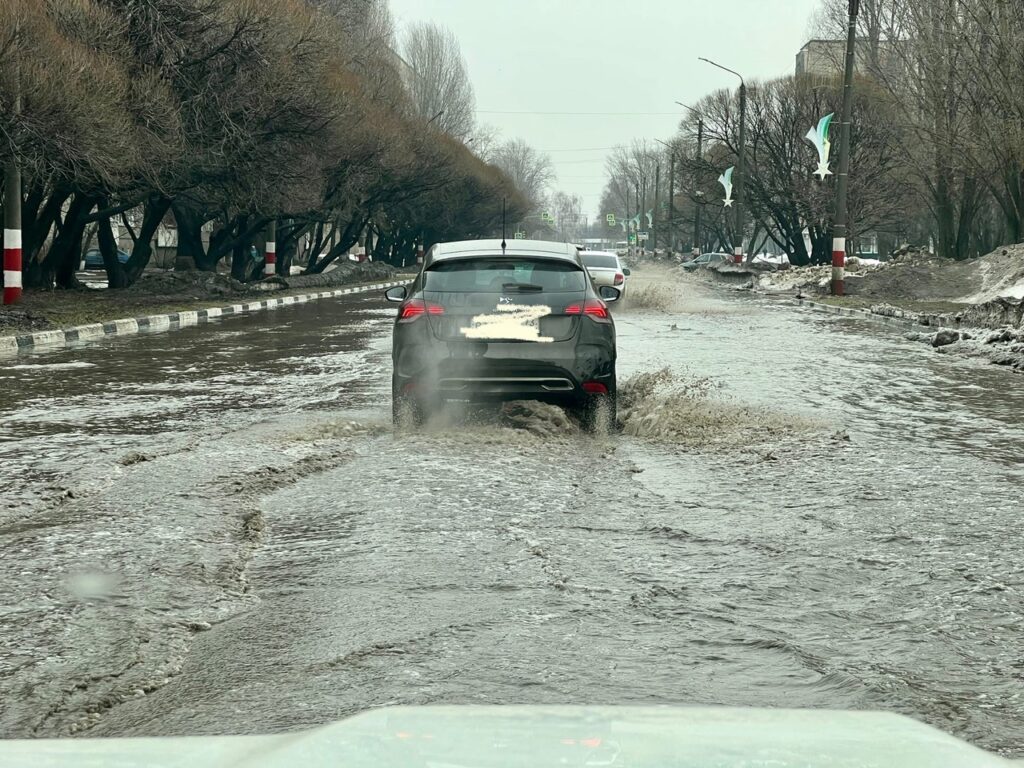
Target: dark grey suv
486, 323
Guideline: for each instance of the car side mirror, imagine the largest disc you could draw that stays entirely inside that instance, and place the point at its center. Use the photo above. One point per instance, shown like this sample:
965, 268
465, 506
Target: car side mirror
626, 271
608, 293
398, 293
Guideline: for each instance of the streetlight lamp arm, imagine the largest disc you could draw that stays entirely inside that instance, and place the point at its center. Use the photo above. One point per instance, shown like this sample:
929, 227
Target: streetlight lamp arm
726, 69
697, 112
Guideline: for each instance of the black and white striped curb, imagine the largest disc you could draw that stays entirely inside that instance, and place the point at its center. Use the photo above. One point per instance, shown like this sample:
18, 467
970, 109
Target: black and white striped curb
174, 321
906, 323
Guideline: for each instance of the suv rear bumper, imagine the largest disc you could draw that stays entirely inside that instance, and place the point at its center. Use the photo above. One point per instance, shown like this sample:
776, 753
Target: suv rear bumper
496, 382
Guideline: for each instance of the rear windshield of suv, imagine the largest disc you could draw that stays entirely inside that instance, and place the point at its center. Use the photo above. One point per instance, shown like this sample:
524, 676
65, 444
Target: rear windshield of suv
599, 261
504, 274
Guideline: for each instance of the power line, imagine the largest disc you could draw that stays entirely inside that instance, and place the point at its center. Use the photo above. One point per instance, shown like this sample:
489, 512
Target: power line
571, 114
589, 149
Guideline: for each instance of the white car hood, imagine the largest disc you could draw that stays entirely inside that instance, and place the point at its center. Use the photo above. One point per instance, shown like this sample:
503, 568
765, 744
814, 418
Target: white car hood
631, 737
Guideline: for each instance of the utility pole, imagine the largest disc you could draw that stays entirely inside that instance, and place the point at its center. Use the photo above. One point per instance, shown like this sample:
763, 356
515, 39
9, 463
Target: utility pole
12, 211
657, 202
629, 248
700, 208
639, 213
671, 201
741, 170
841, 223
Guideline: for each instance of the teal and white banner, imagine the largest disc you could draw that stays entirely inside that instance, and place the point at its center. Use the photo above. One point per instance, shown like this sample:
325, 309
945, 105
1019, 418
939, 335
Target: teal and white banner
726, 181
819, 138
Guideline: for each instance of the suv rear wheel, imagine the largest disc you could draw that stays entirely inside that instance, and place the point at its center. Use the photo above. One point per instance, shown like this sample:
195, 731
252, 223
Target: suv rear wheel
597, 415
406, 413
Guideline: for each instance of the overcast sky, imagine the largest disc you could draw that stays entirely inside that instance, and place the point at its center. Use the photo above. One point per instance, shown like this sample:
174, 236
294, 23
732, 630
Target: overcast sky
628, 56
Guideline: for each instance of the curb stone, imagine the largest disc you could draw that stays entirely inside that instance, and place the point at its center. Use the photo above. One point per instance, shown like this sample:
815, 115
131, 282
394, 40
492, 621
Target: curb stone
11, 345
866, 314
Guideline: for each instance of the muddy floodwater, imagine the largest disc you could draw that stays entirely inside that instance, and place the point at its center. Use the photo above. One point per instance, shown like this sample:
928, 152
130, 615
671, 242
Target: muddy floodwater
216, 530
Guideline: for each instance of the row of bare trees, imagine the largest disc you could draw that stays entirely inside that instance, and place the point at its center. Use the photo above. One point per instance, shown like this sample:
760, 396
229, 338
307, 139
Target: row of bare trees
937, 145
228, 115
954, 72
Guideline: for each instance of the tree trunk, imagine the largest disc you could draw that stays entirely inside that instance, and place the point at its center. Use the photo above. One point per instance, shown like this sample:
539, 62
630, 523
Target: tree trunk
241, 257
348, 238
155, 209
116, 277
189, 253
65, 253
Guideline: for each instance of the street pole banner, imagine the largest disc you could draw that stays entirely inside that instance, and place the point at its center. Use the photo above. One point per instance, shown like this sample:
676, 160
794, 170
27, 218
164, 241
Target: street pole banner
819, 138
726, 181
650, 218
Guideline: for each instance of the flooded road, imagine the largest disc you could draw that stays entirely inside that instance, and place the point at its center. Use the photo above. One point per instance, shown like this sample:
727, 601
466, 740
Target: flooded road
217, 531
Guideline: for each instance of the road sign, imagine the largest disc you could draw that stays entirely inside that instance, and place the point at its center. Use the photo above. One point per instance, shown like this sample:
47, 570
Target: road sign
610, 218
644, 236
545, 216
632, 238
520, 236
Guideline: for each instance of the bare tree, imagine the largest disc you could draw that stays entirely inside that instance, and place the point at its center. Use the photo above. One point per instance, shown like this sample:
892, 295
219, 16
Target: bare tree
568, 214
439, 80
632, 178
530, 171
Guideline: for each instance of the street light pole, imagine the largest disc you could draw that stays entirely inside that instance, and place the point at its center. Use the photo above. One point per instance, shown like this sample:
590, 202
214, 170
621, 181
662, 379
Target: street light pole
12, 212
655, 213
671, 202
700, 208
841, 223
639, 214
741, 165
742, 171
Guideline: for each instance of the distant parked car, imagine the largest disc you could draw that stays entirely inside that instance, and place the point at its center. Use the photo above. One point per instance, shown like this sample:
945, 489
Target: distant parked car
94, 259
705, 260
605, 268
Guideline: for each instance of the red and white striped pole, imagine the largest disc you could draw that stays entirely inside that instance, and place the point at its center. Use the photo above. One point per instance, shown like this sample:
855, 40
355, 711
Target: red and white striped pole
270, 264
737, 254
12, 234
838, 266
841, 225
12, 207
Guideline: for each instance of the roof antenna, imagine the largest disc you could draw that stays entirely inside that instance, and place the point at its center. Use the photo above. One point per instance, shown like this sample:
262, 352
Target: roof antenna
503, 226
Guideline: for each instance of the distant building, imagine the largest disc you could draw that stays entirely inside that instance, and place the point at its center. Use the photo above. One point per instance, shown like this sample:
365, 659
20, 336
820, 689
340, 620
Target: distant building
827, 58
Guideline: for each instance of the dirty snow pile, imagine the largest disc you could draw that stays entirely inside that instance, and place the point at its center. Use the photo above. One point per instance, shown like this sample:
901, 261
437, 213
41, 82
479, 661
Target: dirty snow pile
797, 278
921, 276
1001, 276
812, 277
1002, 346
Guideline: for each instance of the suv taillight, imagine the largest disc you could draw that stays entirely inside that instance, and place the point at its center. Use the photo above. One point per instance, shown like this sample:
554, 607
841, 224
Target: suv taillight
594, 308
416, 308
619, 278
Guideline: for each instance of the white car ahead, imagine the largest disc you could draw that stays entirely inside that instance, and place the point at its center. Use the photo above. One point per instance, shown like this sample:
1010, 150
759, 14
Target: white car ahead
605, 269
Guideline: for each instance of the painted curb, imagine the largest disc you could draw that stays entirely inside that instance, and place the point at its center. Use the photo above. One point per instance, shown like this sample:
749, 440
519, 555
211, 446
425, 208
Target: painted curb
906, 323
11, 345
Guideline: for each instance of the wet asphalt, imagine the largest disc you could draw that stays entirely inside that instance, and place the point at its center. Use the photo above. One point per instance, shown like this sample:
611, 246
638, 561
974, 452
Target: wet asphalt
217, 530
